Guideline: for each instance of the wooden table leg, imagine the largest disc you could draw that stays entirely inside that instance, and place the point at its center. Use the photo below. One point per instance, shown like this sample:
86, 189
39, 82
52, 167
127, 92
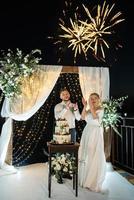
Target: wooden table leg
76, 176
74, 179
49, 178
76, 194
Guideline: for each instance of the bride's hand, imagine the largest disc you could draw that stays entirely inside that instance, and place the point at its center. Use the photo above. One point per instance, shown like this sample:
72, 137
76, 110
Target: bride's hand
84, 102
91, 104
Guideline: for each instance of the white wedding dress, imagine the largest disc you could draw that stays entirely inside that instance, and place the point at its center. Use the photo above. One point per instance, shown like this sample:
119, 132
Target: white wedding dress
92, 162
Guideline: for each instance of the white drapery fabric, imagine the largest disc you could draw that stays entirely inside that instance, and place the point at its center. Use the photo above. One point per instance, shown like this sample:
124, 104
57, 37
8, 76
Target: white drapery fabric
35, 91
94, 79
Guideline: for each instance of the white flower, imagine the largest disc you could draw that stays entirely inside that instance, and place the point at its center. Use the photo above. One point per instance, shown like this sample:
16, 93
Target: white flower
57, 167
62, 161
8, 61
25, 59
71, 167
65, 169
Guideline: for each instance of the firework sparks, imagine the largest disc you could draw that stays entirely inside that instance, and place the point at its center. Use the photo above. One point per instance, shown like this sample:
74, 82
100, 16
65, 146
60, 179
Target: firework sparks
83, 35
100, 26
75, 36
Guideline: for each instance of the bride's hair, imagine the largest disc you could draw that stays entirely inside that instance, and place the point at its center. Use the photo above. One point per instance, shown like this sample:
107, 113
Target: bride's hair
96, 94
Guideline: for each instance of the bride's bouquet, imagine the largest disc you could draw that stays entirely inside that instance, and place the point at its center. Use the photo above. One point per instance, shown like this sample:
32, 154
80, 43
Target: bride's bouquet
112, 117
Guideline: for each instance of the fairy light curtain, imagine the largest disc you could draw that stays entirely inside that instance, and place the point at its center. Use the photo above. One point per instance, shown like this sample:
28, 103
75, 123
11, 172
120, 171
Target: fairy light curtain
30, 137
35, 91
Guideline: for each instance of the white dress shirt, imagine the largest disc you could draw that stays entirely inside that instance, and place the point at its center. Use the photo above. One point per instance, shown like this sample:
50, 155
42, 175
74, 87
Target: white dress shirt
62, 112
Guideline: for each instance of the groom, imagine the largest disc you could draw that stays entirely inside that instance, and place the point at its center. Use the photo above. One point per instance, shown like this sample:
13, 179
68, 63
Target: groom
68, 110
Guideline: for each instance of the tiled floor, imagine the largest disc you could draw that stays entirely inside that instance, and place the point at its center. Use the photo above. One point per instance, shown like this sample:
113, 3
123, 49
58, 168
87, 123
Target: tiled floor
125, 174
36, 175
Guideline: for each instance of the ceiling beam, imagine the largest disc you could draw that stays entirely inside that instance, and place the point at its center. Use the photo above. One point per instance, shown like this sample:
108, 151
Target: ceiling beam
70, 69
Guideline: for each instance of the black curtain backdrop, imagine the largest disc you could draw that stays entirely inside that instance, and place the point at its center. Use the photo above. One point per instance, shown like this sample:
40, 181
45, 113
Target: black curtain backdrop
30, 137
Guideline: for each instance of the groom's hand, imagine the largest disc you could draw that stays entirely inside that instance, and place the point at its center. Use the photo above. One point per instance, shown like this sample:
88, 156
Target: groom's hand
75, 106
68, 104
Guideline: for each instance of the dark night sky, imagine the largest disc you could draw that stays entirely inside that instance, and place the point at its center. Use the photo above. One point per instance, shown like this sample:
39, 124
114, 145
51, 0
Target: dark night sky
27, 26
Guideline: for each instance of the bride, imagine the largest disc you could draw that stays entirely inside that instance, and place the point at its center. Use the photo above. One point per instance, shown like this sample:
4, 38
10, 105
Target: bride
92, 162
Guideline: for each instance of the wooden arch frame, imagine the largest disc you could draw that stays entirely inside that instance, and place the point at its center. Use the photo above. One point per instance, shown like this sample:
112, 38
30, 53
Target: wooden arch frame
70, 69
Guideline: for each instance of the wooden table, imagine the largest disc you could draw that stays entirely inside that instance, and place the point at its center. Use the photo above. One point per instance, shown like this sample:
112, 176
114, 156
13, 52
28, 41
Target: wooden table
63, 148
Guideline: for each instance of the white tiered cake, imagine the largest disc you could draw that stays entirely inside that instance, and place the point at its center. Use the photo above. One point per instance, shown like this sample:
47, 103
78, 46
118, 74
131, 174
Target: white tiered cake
61, 135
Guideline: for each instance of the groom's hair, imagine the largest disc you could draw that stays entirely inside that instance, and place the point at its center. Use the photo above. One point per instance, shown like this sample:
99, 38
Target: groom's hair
64, 89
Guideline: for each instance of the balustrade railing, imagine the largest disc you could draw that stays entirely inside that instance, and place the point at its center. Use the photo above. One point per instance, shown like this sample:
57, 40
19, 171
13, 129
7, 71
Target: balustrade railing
123, 147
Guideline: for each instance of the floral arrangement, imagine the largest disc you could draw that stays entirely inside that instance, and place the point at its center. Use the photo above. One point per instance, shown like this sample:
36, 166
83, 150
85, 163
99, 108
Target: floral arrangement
14, 66
62, 164
111, 117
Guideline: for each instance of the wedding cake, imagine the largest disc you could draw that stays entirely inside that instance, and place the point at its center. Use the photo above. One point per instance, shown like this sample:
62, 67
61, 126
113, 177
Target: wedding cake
61, 134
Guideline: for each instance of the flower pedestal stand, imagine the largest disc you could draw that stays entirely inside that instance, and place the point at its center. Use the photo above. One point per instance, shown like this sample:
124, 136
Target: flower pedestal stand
63, 148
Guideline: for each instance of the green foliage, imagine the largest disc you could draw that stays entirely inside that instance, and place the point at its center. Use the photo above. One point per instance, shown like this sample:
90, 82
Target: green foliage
14, 67
111, 117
